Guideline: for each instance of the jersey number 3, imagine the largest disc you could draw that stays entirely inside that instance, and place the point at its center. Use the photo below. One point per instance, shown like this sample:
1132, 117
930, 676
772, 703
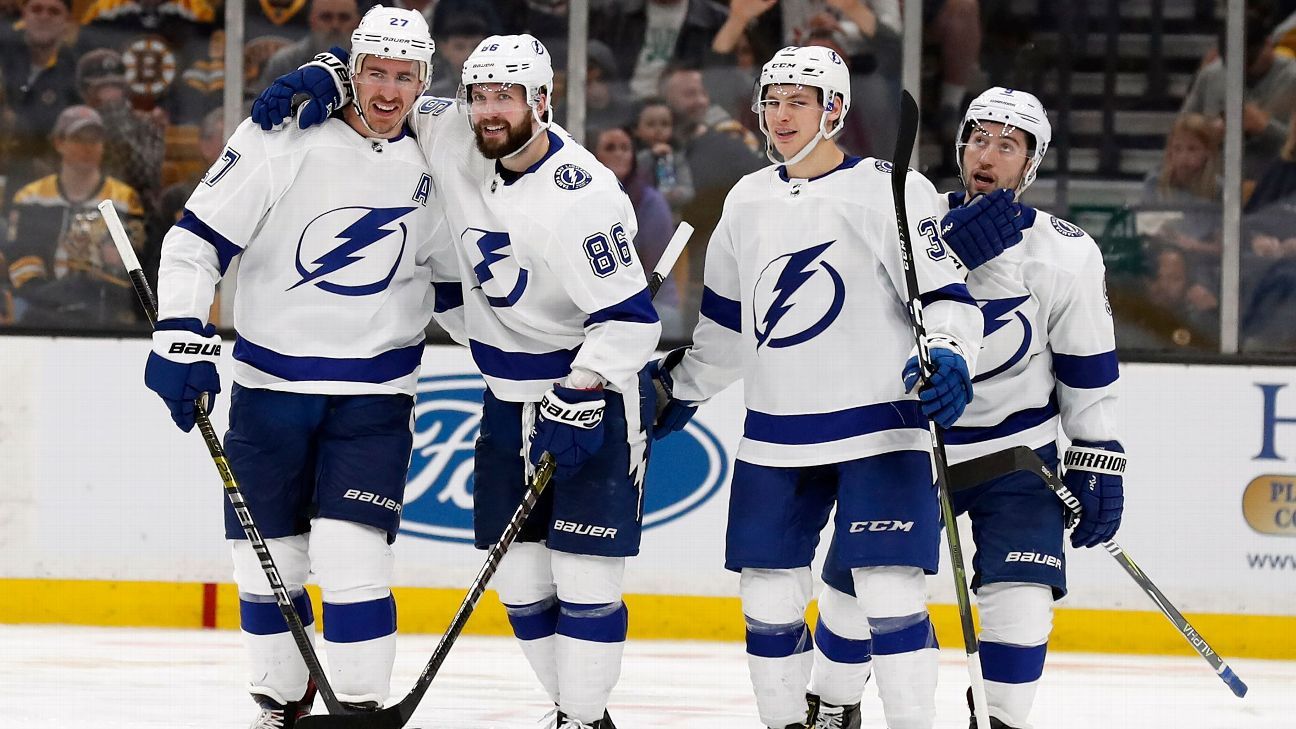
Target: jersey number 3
931, 231
605, 251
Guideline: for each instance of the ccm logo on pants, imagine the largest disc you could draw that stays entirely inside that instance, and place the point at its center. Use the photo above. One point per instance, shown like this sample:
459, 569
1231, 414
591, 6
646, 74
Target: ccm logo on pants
886, 525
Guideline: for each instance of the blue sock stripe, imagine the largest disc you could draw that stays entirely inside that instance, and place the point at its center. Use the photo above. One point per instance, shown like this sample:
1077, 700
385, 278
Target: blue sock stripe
913, 638
359, 621
781, 644
595, 623
839, 649
535, 620
263, 618
1012, 663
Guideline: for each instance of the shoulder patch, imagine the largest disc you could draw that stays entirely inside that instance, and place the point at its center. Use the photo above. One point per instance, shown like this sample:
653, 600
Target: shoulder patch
882, 166
1070, 230
571, 177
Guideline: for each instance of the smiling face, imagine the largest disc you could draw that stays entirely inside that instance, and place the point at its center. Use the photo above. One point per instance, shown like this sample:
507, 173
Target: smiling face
614, 149
386, 89
655, 125
792, 115
501, 119
993, 159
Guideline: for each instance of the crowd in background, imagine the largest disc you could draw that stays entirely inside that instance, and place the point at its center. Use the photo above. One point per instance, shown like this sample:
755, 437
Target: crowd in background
122, 100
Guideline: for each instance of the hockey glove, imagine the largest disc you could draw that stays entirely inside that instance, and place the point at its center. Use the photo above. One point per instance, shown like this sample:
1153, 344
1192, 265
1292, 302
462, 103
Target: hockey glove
569, 425
323, 84
672, 414
948, 390
182, 366
983, 228
1095, 473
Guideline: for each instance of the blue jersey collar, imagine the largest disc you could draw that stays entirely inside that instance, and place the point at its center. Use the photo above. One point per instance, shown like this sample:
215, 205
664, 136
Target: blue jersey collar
510, 177
846, 164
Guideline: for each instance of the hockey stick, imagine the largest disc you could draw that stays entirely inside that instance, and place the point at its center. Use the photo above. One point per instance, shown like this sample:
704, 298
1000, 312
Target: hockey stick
1021, 458
900, 167
398, 715
304, 644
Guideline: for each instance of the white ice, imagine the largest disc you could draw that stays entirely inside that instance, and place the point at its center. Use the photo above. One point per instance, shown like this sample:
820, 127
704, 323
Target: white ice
110, 678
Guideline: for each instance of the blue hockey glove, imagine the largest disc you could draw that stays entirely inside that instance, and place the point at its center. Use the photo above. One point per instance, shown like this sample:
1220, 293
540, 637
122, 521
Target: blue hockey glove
948, 390
569, 425
323, 83
182, 366
672, 414
983, 228
1095, 473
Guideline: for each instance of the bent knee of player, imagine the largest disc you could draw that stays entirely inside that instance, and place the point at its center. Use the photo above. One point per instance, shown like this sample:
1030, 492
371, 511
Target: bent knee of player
842, 614
890, 592
1015, 613
525, 575
353, 562
290, 558
775, 597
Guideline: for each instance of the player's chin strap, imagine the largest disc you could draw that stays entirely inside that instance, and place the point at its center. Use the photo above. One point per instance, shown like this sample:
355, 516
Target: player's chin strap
542, 126
822, 135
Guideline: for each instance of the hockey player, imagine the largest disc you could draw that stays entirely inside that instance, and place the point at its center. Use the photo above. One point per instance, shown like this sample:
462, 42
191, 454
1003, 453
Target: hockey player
1048, 359
559, 323
805, 301
332, 299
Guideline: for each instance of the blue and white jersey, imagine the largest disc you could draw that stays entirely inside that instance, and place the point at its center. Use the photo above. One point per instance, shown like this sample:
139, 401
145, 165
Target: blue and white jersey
339, 238
1049, 350
805, 300
553, 283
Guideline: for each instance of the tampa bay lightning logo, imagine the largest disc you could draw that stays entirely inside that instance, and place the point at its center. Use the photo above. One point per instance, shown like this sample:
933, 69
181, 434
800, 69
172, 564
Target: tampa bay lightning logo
359, 260
797, 296
571, 177
1070, 230
495, 270
685, 471
998, 314
883, 166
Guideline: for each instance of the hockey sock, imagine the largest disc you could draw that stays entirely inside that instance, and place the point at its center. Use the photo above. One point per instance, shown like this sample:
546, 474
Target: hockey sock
360, 638
1016, 619
905, 658
779, 657
534, 625
591, 639
842, 665
277, 669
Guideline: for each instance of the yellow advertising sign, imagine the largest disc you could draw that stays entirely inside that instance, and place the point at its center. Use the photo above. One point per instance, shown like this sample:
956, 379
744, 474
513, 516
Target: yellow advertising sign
1269, 505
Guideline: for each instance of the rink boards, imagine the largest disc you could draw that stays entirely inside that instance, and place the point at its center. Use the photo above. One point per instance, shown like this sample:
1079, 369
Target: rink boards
111, 516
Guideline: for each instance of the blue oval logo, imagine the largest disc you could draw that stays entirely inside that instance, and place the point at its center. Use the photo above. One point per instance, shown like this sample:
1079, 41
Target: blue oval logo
685, 470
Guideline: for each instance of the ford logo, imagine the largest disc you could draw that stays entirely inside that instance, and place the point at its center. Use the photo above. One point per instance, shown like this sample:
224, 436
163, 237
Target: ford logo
686, 469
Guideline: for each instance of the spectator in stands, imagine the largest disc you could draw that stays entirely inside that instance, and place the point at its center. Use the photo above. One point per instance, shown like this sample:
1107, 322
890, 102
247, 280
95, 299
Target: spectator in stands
1268, 100
614, 148
654, 135
211, 142
39, 74
156, 39
330, 22
136, 141
1268, 298
201, 87
63, 266
649, 36
456, 36
1168, 311
1185, 193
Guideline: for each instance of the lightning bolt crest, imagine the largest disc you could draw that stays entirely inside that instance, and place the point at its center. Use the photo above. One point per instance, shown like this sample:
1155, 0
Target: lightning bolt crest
369, 229
793, 277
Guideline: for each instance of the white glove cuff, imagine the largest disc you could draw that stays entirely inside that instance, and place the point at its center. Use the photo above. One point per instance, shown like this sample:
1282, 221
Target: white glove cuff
186, 347
1095, 460
583, 415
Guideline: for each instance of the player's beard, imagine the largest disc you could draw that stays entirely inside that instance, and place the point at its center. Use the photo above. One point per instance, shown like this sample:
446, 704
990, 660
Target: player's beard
516, 139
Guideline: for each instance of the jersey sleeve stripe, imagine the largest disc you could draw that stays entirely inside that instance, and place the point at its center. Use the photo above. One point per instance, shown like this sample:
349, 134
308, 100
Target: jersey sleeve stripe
953, 292
1011, 425
390, 365
810, 428
1086, 372
226, 249
637, 309
521, 366
447, 295
725, 312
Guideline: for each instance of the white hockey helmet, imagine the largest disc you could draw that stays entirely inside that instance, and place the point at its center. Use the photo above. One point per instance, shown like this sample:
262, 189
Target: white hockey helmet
393, 33
1015, 110
512, 59
813, 66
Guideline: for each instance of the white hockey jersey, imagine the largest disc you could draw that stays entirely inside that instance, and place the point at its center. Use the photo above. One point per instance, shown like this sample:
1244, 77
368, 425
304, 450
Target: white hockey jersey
804, 300
1049, 350
339, 238
553, 280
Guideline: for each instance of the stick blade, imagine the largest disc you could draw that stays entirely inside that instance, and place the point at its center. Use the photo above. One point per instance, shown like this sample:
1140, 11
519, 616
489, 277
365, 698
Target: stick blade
392, 717
1234, 683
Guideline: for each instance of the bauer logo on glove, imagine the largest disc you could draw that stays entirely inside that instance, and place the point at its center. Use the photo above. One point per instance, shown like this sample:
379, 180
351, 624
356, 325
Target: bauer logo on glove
581, 415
